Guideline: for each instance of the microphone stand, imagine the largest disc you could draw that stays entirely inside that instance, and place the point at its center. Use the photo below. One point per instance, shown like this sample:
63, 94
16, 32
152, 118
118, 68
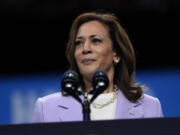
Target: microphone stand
85, 104
86, 108
70, 85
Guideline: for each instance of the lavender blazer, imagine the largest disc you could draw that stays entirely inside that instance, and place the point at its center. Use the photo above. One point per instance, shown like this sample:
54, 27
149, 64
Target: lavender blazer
57, 108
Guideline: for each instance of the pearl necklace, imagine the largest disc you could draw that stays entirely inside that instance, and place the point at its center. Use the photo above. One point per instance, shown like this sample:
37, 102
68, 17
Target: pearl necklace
111, 100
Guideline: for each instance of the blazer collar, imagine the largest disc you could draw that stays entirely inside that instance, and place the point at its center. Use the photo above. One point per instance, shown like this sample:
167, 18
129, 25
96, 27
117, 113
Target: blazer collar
126, 109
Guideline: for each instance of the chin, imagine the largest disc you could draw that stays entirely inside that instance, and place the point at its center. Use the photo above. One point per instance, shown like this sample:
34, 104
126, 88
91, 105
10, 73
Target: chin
88, 72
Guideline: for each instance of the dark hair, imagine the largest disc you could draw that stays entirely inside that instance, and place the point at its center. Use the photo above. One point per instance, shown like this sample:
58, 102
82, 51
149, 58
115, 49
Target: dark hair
125, 69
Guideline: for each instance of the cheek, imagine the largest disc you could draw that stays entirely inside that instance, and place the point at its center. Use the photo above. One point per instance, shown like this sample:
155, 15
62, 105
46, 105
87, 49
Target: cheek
77, 55
107, 53
107, 58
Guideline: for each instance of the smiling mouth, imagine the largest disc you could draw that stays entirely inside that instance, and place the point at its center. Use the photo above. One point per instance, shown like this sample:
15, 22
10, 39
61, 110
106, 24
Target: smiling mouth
87, 61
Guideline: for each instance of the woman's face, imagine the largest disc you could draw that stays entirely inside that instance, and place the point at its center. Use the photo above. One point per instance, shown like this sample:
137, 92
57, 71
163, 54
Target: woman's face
93, 49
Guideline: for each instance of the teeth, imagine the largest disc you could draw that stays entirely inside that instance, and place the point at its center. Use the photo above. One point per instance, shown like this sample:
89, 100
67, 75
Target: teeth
86, 61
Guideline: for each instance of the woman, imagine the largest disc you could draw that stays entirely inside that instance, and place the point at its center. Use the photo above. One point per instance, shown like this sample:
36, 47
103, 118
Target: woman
97, 41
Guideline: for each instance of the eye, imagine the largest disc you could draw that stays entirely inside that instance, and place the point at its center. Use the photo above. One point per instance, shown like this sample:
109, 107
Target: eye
96, 41
78, 42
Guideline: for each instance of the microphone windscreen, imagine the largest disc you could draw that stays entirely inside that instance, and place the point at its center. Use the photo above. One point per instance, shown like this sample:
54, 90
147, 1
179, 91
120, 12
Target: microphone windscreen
100, 80
70, 77
100, 83
70, 84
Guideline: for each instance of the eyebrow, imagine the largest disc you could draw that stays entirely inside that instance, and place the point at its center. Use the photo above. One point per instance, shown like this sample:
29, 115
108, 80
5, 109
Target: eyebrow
91, 36
94, 36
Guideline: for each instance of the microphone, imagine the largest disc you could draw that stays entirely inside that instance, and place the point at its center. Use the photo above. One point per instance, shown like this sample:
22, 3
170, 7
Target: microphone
70, 83
100, 83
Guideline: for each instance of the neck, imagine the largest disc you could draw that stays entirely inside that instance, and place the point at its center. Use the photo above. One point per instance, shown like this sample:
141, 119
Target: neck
88, 85
110, 87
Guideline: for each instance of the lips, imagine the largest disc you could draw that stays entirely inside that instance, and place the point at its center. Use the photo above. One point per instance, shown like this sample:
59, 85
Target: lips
88, 61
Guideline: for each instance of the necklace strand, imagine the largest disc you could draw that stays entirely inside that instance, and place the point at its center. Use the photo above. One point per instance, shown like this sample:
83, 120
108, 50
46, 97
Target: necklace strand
99, 106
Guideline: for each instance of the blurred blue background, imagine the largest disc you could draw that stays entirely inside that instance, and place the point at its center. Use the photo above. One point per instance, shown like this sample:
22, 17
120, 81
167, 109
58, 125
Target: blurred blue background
19, 93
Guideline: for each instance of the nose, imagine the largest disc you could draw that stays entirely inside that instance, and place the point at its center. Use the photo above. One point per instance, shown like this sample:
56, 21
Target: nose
87, 48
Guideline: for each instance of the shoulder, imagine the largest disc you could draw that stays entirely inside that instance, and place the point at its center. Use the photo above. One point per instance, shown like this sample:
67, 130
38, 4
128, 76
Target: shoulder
54, 99
149, 99
51, 97
151, 105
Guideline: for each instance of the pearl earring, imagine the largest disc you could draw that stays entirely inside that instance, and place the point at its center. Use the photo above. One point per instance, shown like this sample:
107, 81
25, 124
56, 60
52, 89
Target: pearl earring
116, 61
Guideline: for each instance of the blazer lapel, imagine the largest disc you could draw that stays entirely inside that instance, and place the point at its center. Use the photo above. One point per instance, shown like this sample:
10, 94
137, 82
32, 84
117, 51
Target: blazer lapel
69, 109
126, 109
